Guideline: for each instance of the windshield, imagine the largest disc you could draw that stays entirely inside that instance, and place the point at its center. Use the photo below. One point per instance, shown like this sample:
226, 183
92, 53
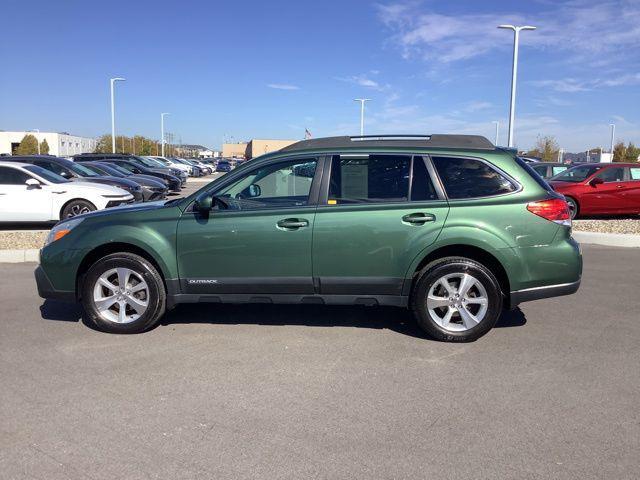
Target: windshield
46, 174
82, 170
162, 161
108, 170
150, 162
577, 174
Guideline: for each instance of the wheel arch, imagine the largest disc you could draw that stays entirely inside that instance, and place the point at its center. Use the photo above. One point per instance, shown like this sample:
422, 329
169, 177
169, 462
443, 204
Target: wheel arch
472, 252
115, 247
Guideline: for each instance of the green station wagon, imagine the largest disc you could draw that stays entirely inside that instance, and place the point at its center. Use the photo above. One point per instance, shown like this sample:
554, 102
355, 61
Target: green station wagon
447, 225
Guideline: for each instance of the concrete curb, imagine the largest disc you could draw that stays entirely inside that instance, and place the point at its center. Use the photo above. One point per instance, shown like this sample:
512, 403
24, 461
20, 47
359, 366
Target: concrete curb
608, 239
19, 256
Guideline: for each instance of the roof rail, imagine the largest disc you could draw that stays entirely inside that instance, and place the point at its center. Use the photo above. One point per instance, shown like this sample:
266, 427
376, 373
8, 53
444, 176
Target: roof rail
476, 142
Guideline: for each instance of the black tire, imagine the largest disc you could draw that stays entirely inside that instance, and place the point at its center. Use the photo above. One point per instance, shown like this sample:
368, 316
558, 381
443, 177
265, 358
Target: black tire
574, 208
431, 274
76, 207
155, 296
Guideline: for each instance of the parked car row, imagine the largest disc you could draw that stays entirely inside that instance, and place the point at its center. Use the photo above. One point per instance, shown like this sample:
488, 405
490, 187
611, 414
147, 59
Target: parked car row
595, 188
38, 188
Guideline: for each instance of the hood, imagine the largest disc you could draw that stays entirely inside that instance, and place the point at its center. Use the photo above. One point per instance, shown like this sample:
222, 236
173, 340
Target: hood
148, 181
560, 185
108, 180
128, 208
96, 188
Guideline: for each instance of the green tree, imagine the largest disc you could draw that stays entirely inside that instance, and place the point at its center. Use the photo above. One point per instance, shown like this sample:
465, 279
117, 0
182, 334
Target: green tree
632, 153
28, 145
619, 152
44, 147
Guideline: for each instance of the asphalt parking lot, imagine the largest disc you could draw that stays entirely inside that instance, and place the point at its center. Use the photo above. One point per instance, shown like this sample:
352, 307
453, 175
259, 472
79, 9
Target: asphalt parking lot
302, 391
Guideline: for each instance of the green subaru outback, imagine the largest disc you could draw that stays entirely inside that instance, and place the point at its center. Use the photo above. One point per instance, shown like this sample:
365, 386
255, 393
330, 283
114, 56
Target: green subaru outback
447, 225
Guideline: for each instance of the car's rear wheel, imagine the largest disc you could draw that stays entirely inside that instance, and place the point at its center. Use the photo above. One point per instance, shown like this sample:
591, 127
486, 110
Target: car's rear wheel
456, 299
573, 207
123, 293
77, 207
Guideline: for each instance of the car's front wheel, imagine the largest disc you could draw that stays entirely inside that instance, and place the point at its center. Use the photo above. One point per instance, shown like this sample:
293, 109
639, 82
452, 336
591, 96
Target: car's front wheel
456, 299
76, 207
123, 293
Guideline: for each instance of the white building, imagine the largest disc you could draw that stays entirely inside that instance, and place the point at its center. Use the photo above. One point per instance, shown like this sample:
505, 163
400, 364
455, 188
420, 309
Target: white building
60, 144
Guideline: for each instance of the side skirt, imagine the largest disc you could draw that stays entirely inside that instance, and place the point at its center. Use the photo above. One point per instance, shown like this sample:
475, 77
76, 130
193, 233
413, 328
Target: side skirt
367, 300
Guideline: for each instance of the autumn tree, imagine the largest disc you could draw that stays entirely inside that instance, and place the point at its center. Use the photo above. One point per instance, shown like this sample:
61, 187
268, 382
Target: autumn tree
619, 152
632, 153
28, 145
44, 147
546, 147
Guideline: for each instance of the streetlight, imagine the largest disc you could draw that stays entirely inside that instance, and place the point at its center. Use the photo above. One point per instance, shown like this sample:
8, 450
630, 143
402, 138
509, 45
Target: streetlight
514, 74
162, 129
613, 134
497, 131
37, 140
113, 115
362, 102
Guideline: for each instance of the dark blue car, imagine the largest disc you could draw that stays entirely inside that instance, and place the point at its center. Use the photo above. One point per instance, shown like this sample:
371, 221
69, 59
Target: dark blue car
223, 166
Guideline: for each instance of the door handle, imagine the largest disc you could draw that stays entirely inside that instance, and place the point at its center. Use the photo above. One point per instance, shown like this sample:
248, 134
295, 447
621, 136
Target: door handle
60, 191
418, 218
619, 186
292, 223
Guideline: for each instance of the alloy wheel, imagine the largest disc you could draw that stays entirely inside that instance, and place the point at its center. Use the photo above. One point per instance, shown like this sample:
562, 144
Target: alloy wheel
121, 295
457, 302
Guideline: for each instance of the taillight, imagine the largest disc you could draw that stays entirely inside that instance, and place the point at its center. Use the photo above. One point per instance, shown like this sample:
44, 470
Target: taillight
555, 210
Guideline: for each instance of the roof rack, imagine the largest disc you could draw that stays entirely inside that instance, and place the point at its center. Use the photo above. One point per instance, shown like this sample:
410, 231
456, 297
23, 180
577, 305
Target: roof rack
476, 142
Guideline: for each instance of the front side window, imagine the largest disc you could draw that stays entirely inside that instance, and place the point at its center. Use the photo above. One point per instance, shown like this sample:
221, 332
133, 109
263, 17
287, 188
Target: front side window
470, 178
540, 170
557, 170
283, 184
46, 174
614, 174
11, 176
369, 179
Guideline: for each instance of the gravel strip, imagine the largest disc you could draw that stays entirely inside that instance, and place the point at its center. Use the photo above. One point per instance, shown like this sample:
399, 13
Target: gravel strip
22, 240
631, 226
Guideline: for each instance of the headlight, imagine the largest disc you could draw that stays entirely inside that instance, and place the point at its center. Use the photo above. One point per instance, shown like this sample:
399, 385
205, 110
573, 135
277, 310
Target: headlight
61, 229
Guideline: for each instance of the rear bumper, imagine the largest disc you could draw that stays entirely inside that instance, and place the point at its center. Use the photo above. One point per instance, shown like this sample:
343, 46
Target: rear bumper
46, 289
538, 293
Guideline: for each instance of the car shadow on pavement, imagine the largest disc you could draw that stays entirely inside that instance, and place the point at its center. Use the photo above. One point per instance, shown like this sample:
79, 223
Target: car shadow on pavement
399, 320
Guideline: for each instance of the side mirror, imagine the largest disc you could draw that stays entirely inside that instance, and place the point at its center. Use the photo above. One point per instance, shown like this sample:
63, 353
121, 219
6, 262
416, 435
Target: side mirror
596, 181
32, 183
204, 203
65, 174
254, 190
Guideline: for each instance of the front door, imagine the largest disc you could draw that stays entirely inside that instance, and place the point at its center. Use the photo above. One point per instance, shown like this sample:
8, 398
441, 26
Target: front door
374, 216
607, 197
20, 202
258, 239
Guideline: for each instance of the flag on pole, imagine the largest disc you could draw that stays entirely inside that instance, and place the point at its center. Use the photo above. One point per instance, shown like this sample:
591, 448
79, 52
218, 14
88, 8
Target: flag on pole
307, 134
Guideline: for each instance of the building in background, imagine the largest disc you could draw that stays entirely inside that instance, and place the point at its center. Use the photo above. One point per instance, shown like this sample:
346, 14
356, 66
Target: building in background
195, 151
60, 144
254, 148
234, 150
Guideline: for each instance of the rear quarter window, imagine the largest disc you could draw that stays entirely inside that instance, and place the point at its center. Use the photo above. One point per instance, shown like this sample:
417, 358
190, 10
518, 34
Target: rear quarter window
471, 178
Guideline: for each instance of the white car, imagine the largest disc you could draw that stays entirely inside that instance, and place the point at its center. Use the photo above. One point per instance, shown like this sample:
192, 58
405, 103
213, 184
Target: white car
29, 193
169, 163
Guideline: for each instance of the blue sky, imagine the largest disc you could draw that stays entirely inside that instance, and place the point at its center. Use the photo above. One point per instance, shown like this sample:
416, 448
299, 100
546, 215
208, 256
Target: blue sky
260, 69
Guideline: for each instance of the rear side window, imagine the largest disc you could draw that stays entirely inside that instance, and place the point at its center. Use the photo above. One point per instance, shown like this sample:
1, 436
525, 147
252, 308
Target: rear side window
369, 179
635, 173
470, 178
557, 170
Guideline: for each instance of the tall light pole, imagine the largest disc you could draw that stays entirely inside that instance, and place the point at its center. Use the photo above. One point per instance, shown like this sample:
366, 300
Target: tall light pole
113, 114
37, 139
514, 74
362, 102
162, 129
497, 131
613, 134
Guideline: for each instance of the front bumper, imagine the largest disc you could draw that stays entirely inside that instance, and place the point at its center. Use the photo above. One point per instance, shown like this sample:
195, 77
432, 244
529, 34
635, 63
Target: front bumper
538, 293
46, 289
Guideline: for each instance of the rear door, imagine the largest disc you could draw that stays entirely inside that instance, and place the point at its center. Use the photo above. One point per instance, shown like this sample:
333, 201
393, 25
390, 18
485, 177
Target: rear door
633, 189
375, 213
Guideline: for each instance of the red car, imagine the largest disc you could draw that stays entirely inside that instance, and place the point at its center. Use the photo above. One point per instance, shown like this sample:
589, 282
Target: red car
600, 188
